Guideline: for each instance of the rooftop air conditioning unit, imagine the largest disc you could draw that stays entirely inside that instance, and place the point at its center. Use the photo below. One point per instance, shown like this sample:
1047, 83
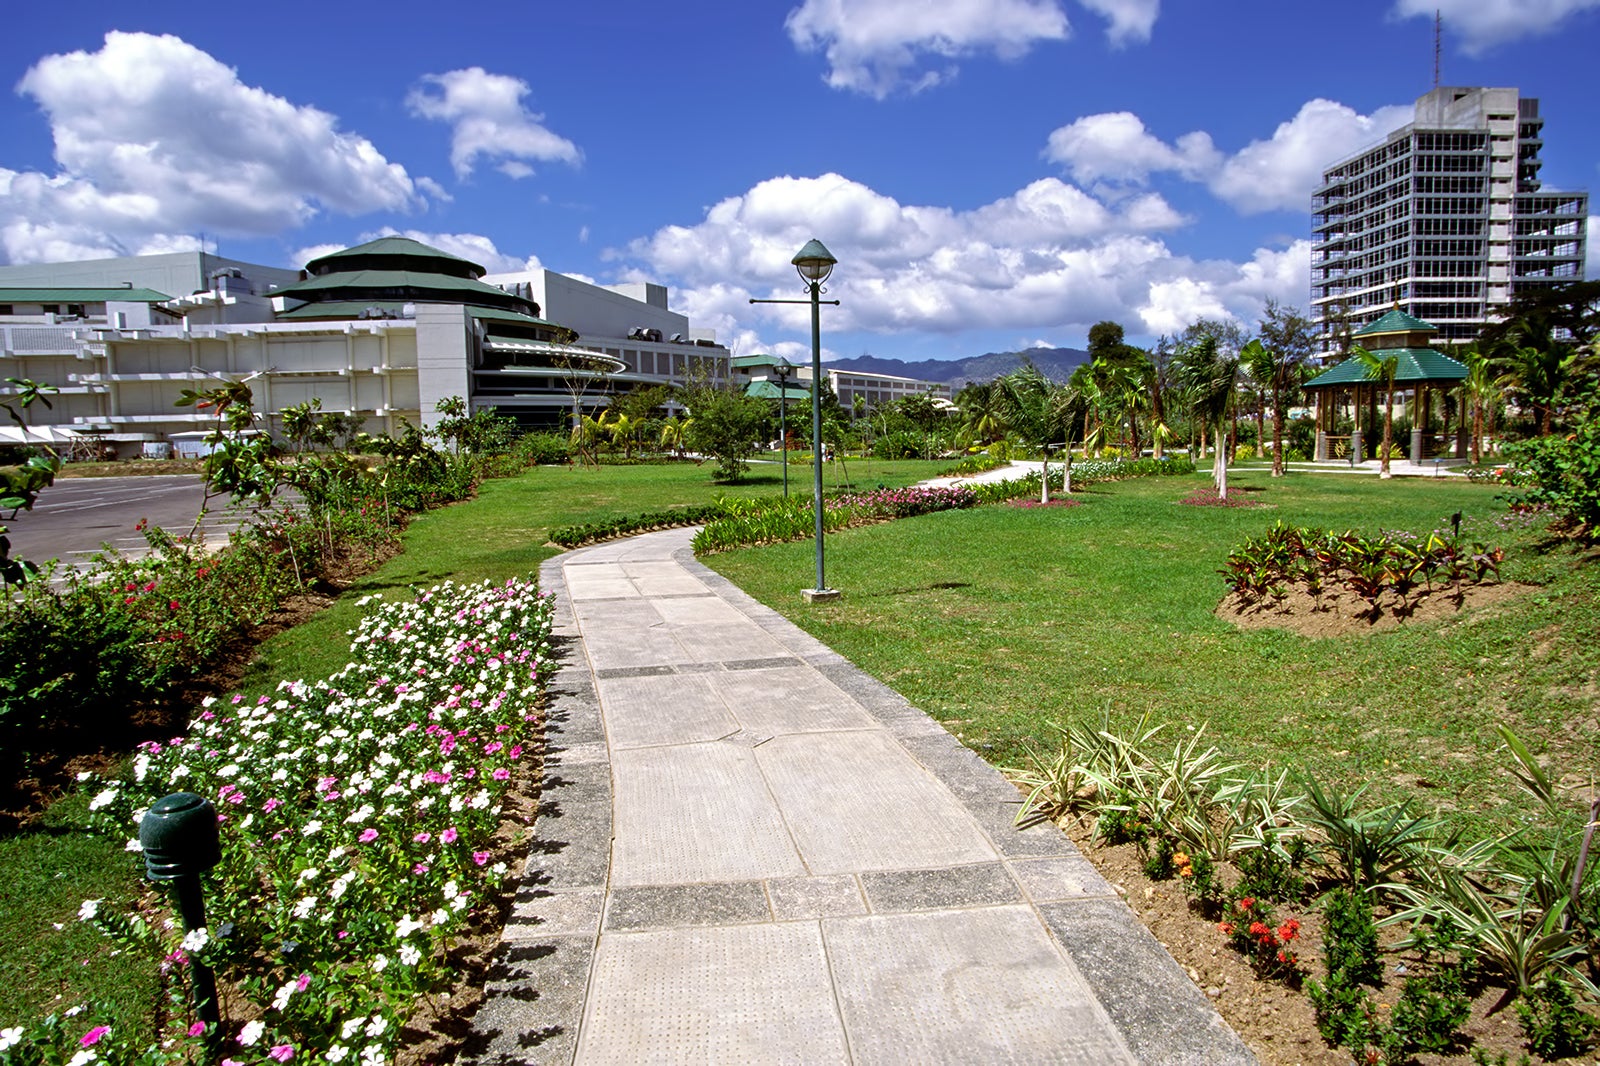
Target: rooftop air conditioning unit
677, 338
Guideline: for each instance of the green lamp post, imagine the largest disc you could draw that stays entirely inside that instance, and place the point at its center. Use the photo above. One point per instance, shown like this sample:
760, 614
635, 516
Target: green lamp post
814, 263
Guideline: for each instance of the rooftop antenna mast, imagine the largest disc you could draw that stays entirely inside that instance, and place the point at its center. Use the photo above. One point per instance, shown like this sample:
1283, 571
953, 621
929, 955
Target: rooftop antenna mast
1438, 29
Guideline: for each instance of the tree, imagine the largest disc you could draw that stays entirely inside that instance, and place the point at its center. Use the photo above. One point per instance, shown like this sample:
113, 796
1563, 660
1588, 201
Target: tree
725, 426
1537, 365
1286, 344
1025, 399
1383, 371
981, 411
1564, 311
1480, 391
1211, 375
20, 485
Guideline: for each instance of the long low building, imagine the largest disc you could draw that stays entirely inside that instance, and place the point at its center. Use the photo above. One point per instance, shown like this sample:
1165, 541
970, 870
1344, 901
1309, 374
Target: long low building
382, 331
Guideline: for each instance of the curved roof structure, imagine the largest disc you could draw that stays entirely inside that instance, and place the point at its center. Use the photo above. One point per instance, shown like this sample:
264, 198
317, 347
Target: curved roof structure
394, 253
1405, 338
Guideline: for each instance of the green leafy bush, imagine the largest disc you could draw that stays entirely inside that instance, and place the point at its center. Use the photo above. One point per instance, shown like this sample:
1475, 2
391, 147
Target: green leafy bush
1552, 1021
589, 532
1563, 472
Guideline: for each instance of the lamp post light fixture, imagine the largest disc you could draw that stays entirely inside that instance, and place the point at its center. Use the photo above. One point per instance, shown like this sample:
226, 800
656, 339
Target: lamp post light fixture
783, 368
814, 263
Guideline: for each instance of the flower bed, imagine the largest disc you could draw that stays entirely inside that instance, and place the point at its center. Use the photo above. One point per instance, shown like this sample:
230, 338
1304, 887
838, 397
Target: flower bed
1086, 472
775, 519
355, 814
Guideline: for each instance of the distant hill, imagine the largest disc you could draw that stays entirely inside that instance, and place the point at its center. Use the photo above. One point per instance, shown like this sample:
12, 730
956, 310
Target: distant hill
1057, 364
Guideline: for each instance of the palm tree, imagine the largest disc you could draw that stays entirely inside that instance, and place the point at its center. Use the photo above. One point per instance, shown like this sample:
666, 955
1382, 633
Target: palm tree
1540, 373
589, 432
1211, 376
1024, 402
1383, 371
672, 433
1479, 391
982, 412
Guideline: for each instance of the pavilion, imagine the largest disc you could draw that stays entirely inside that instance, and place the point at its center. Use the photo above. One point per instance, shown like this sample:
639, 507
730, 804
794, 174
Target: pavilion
1419, 370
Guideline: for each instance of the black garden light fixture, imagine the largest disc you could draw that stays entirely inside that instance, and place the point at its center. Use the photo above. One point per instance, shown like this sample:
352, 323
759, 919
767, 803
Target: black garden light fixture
180, 841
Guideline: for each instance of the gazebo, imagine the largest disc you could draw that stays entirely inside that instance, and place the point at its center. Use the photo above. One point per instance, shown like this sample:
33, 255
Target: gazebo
1419, 369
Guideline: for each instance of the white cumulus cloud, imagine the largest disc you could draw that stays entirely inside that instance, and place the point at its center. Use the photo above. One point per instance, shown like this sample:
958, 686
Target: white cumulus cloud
155, 139
1276, 173
878, 46
1115, 146
489, 121
1049, 259
1481, 24
1127, 20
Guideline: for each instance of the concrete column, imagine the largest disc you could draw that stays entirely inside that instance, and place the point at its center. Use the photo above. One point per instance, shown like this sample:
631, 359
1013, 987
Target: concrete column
443, 358
1419, 422
1355, 445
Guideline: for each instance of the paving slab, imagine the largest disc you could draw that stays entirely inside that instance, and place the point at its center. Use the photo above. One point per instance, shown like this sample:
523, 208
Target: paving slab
748, 851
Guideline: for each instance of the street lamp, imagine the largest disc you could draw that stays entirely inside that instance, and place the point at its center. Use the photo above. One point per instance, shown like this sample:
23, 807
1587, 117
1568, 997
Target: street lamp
815, 263
783, 368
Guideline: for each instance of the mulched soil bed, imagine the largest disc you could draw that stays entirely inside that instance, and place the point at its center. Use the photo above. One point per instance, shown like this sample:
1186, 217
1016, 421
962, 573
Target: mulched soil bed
1275, 1020
1338, 612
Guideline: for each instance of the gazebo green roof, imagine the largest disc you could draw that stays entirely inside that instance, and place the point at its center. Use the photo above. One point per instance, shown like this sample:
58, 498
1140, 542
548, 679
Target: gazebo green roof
1396, 321
746, 362
1412, 365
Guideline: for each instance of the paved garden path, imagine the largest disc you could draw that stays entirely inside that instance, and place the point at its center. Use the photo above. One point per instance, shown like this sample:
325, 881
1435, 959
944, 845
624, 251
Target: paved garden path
748, 851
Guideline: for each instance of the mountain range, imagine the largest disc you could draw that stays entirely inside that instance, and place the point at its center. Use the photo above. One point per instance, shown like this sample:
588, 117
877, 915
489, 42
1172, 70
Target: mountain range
1057, 364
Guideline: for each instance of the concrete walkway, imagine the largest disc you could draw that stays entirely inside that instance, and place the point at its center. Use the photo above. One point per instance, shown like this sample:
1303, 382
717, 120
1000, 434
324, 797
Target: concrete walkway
748, 851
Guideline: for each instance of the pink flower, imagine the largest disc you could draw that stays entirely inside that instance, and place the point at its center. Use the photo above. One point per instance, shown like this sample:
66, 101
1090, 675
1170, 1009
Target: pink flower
422, 838
368, 835
197, 1029
282, 1053
480, 857
449, 835
92, 1037
420, 868
302, 982
501, 774
271, 805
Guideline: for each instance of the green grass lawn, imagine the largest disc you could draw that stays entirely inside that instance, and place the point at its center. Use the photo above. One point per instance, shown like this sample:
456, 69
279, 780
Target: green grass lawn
1003, 622
505, 532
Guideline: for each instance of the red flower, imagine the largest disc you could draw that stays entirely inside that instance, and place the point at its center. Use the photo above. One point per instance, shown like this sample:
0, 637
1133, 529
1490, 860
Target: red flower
1226, 927
173, 605
1246, 902
1289, 930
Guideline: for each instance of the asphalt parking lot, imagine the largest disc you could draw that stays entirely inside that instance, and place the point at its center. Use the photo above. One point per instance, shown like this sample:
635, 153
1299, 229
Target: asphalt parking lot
76, 517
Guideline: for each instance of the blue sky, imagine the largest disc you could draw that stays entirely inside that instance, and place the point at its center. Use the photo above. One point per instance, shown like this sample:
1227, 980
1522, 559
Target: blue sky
990, 174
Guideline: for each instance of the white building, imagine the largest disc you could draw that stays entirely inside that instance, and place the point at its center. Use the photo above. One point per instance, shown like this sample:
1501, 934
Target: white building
760, 375
382, 331
1446, 220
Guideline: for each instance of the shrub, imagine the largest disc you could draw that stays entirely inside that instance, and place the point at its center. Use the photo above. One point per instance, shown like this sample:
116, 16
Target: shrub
1551, 1020
1563, 473
1431, 1009
543, 449
901, 444
1244, 454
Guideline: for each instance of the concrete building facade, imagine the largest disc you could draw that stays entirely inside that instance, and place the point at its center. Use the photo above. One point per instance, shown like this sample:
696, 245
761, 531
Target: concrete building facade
1446, 220
382, 331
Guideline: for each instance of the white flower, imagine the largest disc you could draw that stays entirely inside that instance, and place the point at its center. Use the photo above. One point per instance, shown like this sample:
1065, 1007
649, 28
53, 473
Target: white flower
89, 909
196, 940
229, 770
372, 1055
352, 1027
379, 963
406, 927
337, 1053
409, 956
133, 845
83, 1058
310, 828
378, 1024
103, 799
252, 1032
281, 1000
308, 873
10, 1037
306, 905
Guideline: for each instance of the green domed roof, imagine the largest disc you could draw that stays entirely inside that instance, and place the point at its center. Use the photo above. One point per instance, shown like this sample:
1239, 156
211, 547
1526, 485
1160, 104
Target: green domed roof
395, 253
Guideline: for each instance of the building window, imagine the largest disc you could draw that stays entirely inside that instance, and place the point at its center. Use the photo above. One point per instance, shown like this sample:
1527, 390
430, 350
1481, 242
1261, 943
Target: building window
5, 309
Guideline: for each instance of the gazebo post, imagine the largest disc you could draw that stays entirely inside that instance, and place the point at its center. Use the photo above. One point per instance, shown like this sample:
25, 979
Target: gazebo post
1356, 455
1320, 449
1419, 420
